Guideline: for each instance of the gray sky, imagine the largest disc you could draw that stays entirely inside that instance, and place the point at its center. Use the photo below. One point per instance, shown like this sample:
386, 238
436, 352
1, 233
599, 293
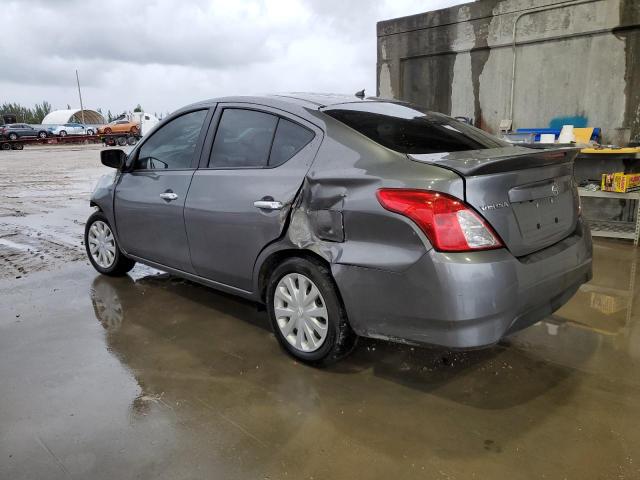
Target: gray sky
168, 53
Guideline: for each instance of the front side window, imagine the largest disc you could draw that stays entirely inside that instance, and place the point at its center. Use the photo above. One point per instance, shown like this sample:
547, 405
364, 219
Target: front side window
172, 146
410, 129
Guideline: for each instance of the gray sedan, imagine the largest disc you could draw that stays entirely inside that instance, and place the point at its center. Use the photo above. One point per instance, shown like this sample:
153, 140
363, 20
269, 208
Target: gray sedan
71, 129
348, 217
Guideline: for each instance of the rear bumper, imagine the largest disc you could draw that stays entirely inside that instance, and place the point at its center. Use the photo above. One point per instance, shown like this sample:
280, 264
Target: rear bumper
464, 300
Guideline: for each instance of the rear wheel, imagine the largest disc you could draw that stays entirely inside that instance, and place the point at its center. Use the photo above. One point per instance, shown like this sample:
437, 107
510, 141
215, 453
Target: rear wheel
63, 133
122, 141
13, 136
42, 135
5, 146
102, 248
306, 312
89, 132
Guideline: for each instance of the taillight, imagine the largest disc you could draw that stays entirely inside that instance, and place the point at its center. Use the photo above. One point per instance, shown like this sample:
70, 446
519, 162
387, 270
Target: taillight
450, 224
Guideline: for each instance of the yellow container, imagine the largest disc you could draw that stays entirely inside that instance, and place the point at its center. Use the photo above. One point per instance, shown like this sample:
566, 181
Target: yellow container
620, 182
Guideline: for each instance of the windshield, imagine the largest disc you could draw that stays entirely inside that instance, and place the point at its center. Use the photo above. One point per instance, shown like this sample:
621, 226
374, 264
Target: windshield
410, 129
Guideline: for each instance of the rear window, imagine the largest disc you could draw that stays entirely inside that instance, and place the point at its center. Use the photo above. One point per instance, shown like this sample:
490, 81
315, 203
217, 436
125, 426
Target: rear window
409, 129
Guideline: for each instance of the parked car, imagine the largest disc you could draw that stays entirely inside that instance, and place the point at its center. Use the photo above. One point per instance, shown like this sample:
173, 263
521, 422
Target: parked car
71, 129
119, 126
13, 131
348, 218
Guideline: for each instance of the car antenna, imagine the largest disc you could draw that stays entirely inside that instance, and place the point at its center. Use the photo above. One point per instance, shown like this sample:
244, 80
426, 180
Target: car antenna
360, 94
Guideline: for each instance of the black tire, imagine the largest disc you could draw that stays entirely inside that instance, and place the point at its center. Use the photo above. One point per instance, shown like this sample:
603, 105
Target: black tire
340, 339
131, 140
89, 131
121, 264
13, 136
122, 141
5, 146
42, 134
17, 146
63, 133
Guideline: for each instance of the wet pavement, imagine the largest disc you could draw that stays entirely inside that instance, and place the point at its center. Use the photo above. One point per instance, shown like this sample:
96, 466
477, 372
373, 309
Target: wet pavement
150, 376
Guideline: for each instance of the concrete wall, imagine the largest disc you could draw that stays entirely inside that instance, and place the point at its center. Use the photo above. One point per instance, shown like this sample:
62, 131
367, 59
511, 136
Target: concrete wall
575, 64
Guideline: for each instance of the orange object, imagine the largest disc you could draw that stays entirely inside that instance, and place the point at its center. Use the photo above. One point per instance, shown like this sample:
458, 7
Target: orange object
119, 126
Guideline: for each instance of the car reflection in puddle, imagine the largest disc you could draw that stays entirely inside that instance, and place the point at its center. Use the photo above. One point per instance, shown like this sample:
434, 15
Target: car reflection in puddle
208, 364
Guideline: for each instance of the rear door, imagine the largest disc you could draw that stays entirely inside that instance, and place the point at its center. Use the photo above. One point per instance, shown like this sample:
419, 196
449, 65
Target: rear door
241, 196
26, 131
150, 197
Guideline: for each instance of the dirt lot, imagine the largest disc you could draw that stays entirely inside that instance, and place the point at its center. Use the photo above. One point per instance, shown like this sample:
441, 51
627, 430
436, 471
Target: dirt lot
44, 193
149, 376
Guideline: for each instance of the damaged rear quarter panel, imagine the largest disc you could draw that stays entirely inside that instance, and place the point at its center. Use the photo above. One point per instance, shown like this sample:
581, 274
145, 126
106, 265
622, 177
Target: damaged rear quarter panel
337, 214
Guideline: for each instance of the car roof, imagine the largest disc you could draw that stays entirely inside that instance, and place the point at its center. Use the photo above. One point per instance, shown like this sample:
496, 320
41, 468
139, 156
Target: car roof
297, 102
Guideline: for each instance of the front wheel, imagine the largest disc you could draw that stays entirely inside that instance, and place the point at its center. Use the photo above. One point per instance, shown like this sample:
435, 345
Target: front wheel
42, 135
13, 136
89, 132
306, 312
63, 133
102, 248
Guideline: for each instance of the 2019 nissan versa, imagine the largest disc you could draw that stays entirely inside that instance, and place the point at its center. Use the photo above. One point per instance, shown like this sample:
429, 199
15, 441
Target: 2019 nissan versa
348, 217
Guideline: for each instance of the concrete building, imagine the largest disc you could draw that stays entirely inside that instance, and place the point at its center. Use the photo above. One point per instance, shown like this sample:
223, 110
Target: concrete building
574, 62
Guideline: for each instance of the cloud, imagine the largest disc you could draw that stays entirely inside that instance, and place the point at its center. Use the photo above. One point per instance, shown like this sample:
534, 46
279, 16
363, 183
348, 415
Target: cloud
164, 54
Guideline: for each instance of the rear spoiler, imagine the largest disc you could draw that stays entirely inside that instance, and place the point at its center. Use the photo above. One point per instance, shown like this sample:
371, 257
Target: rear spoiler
496, 160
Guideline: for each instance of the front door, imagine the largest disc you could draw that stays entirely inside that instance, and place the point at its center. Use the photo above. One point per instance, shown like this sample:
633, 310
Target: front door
239, 201
150, 196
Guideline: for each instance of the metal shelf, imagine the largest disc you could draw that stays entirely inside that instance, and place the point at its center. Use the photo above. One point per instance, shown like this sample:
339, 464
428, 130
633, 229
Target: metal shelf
583, 192
612, 229
602, 228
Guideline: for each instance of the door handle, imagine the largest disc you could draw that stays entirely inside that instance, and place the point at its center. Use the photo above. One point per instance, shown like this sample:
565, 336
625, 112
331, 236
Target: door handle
268, 204
169, 196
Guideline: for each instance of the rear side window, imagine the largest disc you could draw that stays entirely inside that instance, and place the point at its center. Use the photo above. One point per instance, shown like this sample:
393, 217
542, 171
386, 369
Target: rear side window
409, 129
173, 145
290, 139
252, 139
243, 139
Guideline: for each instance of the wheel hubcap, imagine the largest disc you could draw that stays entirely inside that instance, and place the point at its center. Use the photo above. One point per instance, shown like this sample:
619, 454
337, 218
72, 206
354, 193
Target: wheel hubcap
301, 313
102, 244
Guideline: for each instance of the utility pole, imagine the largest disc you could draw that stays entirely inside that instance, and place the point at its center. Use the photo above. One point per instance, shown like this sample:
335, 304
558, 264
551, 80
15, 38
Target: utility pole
80, 95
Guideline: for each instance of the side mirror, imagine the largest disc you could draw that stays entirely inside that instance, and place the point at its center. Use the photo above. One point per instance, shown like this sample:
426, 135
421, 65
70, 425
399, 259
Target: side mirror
115, 158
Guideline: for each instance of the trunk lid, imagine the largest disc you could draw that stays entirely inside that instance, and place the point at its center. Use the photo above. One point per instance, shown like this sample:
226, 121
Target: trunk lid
527, 196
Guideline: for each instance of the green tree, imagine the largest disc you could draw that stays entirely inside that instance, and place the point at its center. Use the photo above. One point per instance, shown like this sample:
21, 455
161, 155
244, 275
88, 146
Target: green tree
25, 114
40, 111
